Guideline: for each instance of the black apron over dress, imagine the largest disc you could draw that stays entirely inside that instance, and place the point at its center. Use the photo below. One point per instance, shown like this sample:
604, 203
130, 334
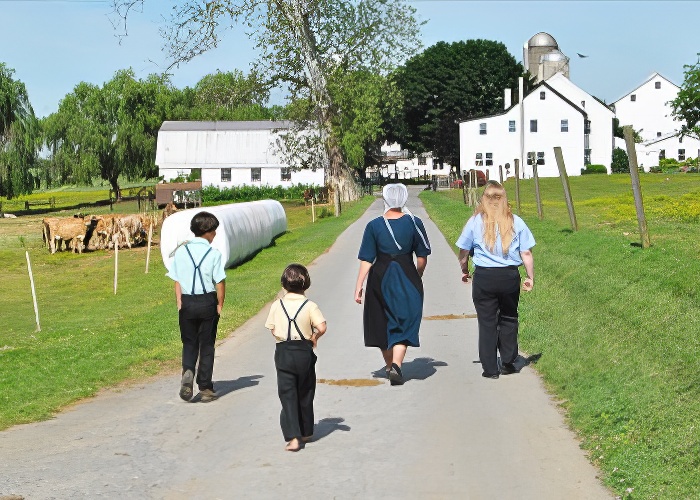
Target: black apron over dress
295, 362
393, 302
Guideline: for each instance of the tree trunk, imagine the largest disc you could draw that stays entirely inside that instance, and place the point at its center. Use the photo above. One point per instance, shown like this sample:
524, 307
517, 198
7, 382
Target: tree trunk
114, 182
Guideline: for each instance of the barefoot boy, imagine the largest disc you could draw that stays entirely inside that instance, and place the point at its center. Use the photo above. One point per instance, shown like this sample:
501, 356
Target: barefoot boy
296, 323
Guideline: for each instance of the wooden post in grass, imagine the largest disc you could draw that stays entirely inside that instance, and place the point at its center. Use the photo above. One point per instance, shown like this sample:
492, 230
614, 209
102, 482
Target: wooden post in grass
148, 251
31, 281
567, 188
538, 198
313, 210
636, 187
500, 173
116, 264
517, 185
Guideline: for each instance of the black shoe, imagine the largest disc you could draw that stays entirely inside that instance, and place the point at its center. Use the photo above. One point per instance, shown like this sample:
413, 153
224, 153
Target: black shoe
508, 369
186, 385
395, 375
486, 375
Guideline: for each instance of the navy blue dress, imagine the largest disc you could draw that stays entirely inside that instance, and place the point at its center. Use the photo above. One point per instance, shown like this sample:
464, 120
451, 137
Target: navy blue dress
394, 291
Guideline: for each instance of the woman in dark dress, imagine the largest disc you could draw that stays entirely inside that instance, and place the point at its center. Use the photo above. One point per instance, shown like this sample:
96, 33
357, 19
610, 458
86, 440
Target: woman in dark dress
394, 295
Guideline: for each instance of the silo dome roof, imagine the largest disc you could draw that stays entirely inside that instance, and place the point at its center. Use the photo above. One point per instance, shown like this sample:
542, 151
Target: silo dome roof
543, 39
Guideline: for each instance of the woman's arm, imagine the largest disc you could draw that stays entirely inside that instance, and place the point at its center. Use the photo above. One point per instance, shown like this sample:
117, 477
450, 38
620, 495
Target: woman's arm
464, 264
529, 263
421, 262
361, 275
178, 295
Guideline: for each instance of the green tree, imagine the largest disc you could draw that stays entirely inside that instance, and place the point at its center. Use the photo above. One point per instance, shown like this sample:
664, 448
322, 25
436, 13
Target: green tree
19, 136
111, 131
620, 161
302, 44
448, 83
686, 106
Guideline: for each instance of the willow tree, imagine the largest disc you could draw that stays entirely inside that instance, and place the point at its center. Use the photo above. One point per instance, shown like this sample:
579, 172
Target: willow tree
19, 136
305, 44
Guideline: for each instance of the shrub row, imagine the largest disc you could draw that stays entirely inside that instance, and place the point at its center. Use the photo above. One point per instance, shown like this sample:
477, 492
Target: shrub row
213, 194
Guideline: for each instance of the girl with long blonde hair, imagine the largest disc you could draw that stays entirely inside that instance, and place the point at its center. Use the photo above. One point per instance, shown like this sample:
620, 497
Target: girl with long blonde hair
499, 242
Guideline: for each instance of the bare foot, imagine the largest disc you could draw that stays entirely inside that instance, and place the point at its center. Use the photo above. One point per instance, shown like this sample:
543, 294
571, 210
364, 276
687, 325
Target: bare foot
293, 445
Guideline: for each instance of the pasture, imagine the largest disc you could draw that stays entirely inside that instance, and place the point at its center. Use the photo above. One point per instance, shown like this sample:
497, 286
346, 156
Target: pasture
91, 339
617, 326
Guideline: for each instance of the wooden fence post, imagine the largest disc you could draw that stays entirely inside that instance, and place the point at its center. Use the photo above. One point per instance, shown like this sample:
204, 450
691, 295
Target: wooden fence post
517, 185
148, 251
31, 282
538, 198
636, 186
567, 189
116, 264
500, 173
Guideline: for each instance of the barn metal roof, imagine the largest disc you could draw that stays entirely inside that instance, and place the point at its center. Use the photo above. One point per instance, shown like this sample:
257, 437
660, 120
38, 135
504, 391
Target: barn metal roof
187, 126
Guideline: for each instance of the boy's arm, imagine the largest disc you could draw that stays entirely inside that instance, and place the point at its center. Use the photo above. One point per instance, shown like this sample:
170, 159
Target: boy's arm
318, 332
178, 295
220, 295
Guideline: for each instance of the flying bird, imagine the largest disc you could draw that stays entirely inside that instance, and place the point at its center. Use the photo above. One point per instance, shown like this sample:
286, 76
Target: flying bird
580, 55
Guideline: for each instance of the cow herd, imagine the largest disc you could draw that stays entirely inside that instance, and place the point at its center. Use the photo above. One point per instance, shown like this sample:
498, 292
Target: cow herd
95, 232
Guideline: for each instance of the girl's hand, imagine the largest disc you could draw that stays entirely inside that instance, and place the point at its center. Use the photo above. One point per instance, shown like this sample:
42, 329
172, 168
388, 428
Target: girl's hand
528, 283
358, 295
466, 277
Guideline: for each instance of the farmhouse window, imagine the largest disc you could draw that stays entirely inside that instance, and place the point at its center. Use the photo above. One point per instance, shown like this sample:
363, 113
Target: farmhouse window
489, 159
511, 125
533, 125
565, 125
285, 174
479, 162
583, 104
482, 129
633, 97
542, 96
255, 174
225, 175
587, 127
657, 85
662, 154
658, 134
681, 154
540, 157
586, 156
422, 160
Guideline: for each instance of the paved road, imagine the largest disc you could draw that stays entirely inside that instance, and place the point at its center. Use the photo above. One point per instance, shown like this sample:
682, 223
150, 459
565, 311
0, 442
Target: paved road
447, 433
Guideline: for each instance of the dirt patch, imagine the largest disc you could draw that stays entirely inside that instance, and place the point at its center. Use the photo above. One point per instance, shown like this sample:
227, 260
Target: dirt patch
450, 316
351, 382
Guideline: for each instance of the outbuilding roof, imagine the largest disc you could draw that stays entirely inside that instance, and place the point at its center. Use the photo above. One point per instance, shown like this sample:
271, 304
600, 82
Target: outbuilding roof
186, 126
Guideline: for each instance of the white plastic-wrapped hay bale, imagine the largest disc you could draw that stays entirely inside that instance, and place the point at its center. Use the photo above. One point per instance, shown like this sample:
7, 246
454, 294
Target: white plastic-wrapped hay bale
244, 228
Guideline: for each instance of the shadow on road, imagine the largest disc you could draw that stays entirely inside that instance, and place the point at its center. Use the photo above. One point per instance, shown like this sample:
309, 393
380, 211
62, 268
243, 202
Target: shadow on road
223, 387
420, 368
327, 425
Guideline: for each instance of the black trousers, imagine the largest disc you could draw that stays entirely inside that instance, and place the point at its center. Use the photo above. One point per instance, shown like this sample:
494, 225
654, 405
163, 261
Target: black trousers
496, 292
198, 322
296, 385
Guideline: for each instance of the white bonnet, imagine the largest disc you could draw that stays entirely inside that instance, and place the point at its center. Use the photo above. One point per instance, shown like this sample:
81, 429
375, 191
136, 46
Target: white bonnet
395, 196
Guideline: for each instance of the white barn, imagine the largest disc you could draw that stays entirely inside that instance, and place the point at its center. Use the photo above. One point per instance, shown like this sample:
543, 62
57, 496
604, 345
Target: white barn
555, 113
648, 110
398, 163
229, 153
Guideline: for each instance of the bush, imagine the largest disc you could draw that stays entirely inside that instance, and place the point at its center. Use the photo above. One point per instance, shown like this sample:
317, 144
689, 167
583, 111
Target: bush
213, 194
620, 161
594, 169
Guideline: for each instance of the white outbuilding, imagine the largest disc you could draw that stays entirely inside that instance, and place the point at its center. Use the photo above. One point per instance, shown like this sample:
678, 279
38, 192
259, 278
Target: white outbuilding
230, 153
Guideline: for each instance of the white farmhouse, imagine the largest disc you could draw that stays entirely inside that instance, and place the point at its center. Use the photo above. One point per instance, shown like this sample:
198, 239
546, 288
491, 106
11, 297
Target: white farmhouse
398, 163
555, 113
229, 153
648, 110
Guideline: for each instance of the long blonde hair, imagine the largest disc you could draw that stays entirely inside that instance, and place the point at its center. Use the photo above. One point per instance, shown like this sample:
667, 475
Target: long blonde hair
497, 216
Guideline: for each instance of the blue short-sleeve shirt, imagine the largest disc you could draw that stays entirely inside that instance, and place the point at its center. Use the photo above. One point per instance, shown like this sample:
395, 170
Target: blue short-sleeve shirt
182, 269
472, 238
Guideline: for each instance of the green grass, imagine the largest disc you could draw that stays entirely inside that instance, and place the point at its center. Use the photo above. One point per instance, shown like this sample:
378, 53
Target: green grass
90, 338
618, 327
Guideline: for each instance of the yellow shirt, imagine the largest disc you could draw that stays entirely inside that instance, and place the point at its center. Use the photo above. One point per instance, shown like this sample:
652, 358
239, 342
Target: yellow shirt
309, 316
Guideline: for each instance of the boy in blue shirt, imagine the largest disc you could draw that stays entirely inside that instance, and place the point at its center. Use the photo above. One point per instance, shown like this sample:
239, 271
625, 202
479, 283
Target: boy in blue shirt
200, 290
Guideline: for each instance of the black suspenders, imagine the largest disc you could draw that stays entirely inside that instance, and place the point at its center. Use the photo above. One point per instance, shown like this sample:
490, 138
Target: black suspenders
293, 320
196, 268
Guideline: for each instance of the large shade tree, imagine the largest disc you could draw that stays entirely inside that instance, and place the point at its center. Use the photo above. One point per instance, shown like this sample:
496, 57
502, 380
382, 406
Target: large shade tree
686, 106
19, 136
308, 45
448, 83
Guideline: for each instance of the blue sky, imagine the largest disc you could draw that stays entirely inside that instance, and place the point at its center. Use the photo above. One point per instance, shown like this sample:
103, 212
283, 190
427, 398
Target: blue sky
54, 44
